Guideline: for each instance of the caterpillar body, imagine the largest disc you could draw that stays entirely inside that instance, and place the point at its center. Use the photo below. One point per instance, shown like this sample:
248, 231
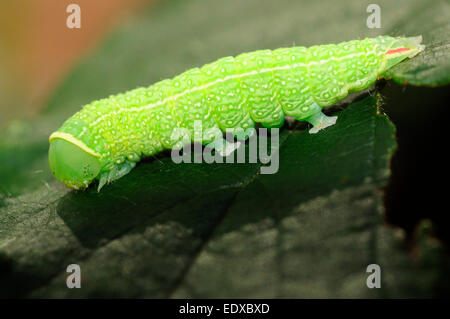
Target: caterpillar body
107, 137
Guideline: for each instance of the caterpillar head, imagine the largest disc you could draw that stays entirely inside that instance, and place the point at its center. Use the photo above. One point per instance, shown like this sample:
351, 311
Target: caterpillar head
402, 48
71, 163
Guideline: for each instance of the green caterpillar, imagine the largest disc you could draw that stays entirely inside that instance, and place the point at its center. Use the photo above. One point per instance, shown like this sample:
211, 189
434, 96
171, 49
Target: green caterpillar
107, 137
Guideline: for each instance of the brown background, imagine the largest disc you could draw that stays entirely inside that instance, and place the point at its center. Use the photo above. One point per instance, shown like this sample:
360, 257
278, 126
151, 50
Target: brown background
37, 49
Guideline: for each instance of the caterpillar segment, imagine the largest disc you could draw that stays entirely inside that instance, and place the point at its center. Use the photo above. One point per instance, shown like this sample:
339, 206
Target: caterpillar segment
106, 139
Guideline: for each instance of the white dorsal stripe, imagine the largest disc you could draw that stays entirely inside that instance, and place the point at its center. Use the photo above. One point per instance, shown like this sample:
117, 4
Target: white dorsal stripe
226, 78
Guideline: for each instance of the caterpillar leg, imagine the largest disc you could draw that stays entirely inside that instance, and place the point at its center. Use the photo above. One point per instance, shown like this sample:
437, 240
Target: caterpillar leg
225, 148
214, 139
320, 121
242, 135
117, 172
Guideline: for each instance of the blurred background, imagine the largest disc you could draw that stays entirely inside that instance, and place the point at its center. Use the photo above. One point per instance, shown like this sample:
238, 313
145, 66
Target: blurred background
36, 52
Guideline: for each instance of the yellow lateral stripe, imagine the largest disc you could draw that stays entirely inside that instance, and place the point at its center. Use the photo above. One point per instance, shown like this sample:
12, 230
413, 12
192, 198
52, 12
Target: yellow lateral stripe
69, 138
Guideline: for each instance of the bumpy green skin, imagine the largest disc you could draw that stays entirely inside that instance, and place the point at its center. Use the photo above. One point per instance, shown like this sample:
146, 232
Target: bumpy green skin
256, 87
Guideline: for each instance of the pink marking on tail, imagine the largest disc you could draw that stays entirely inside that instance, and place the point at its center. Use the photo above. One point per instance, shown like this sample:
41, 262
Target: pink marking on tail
397, 50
